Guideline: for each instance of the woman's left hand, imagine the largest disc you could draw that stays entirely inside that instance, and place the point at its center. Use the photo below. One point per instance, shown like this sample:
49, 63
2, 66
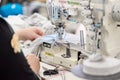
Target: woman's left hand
30, 33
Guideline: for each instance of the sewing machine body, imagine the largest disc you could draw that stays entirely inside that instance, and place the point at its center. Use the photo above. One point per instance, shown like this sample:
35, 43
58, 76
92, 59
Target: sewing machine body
53, 54
55, 58
111, 29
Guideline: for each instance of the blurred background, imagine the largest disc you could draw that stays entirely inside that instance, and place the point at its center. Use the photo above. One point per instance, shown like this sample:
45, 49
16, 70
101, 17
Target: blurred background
23, 7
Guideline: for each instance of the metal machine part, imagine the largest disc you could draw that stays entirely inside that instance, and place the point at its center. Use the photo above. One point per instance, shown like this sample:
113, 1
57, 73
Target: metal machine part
60, 29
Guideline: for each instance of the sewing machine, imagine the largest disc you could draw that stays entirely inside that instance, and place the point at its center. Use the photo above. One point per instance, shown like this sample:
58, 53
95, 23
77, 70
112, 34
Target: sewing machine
64, 48
111, 29
104, 63
60, 49
76, 46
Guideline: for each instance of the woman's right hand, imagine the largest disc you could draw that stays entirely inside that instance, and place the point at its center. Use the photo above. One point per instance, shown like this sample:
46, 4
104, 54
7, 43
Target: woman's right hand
34, 62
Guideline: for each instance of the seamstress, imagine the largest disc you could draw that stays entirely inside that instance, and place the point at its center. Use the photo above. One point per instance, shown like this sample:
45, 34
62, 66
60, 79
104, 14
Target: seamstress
15, 66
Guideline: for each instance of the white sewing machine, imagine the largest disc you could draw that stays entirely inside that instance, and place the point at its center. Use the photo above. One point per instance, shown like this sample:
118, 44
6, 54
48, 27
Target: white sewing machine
78, 44
71, 48
111, 28
63, 48
104, 64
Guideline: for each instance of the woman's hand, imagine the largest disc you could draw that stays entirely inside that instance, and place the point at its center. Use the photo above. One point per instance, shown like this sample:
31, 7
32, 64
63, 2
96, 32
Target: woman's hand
30, 33
34, 63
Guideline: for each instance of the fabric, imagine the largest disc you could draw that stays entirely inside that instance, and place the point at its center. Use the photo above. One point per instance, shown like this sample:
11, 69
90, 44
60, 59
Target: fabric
12, 66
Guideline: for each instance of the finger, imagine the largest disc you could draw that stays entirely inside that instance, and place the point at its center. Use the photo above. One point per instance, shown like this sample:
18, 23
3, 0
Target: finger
35, 36
39, 32
31, 56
